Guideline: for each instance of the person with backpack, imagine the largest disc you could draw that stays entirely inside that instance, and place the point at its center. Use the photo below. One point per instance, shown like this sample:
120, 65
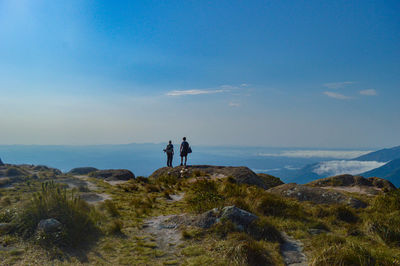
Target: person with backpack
185, 150
169, 150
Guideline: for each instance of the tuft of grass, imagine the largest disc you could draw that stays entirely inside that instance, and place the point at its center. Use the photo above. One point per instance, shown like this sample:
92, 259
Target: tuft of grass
261, 229
53, 202
111, 208
351, 253
345, 214
246, 251
385, 227
203, 196
115, 227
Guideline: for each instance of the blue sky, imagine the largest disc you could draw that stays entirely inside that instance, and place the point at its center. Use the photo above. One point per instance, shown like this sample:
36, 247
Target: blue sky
260, 73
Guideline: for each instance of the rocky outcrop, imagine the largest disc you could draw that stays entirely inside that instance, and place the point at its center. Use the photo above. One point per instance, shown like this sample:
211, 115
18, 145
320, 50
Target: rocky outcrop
350, 180
50, 225
46, 168
270, 181
113, 175
240, 218
239, 174
82, 170
316, 195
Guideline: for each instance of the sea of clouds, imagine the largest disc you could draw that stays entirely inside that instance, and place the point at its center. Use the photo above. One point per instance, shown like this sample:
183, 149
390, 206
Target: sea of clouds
337, 154
338, 167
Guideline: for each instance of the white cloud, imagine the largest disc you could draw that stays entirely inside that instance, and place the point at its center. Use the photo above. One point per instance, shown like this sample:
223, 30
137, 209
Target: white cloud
334, 154
338, 85
193, 92
234, 104
335, 95
331, 168
369, 92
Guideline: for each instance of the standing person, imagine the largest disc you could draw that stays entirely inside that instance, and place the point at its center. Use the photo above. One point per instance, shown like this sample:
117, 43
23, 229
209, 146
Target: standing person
169, 150
185, 149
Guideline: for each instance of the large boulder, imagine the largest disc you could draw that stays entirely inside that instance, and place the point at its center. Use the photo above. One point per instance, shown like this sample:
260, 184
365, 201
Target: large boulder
50, 225
82, 170
316, 195
350, 180
240, 174
113, 175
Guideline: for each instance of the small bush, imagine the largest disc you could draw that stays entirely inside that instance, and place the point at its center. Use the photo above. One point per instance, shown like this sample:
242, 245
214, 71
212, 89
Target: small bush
223, 228
53, 202
246, 251
115, 227
261, 229
167, 180
111, 208
269, 204
203, 196
345, 214
351, 253
385, 226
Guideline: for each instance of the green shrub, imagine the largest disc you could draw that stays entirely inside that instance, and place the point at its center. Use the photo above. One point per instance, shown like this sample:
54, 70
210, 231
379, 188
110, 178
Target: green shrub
387, 202
345, 214
269, 204
111, 208
246, 251
167, 180
351, 253
261, 229
53, 202
115, 227
385, 226
203, 196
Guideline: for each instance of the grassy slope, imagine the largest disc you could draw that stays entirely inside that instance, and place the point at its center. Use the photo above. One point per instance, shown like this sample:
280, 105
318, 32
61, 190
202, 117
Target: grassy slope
352, 234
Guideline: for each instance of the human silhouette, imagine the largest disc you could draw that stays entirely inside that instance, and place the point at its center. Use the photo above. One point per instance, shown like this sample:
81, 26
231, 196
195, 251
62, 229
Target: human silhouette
185, 149
169, 150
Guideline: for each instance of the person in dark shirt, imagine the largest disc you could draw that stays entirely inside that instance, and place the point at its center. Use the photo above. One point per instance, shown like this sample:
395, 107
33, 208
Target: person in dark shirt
169, 150
185, 149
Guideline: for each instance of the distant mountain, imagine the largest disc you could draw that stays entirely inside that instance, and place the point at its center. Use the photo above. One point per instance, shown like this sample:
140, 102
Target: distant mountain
384, 155
390, 171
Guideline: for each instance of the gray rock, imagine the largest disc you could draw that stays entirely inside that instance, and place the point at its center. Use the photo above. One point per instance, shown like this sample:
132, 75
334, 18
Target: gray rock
50, 225
239, 217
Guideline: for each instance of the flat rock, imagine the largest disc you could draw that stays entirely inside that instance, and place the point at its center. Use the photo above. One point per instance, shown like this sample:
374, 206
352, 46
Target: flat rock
113, 174
316, 195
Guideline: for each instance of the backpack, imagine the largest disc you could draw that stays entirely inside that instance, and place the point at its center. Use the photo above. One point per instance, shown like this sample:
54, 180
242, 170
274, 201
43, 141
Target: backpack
190, 149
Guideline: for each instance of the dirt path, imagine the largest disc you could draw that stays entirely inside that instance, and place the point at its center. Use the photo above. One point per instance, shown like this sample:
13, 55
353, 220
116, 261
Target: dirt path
165, 233
292, 251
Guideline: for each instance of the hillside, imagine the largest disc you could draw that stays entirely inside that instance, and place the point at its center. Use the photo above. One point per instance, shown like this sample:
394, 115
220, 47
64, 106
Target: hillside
384, 155
390, 171
196, 215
